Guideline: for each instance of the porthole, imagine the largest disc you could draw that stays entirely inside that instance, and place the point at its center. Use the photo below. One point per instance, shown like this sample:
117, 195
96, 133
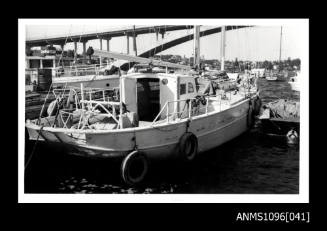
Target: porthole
164, 81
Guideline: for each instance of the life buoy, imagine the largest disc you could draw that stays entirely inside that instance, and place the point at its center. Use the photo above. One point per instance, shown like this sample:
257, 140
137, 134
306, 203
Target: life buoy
188, 146
134, 168
292, 137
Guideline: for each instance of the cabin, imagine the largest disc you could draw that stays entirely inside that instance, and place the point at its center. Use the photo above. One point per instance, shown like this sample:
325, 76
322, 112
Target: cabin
147, 93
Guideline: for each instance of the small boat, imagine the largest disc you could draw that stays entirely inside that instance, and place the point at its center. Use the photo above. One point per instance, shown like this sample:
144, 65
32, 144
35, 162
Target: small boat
158, 116
259, 72
281, 117
271, 76
43, 72
294, 82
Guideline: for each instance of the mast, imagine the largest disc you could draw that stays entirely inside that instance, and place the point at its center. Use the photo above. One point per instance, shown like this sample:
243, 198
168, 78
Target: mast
222, 49
280, 46
196, 46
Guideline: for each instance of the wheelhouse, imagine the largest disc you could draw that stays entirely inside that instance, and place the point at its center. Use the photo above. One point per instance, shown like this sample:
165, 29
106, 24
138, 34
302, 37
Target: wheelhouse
147, 93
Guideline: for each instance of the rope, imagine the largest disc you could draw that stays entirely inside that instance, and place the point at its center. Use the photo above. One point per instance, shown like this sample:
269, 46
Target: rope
33, 150
45, 100
59, 105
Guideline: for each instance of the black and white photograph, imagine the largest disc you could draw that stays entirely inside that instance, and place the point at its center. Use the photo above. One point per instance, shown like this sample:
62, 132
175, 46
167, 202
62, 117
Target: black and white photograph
163, 110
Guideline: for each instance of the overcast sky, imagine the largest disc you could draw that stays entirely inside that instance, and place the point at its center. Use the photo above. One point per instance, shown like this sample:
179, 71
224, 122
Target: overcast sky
257, 43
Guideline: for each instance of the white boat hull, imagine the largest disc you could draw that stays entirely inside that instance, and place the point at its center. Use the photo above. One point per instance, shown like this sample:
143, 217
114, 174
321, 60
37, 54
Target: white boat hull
274, 78
295, 86
156, 142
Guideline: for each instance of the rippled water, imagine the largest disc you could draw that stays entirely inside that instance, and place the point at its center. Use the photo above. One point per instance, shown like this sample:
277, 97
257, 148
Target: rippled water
251, 163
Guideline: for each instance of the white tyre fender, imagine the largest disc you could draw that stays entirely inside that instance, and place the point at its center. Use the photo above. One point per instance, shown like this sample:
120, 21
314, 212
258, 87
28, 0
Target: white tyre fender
134, 167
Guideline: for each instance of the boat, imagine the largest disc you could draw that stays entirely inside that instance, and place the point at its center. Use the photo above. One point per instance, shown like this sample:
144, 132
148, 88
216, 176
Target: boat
165, 117
294, 82
281, 118
259, 72
158, 116
45, 71
271, 76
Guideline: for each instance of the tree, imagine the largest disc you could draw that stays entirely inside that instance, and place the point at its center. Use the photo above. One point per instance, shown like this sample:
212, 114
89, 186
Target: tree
296, 62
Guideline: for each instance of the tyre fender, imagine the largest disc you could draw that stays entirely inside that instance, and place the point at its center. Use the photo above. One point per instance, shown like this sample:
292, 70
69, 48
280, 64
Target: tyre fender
188, 146
134, 168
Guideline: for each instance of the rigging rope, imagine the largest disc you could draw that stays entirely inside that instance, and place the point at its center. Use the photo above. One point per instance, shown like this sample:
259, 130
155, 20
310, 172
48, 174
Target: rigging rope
33, 150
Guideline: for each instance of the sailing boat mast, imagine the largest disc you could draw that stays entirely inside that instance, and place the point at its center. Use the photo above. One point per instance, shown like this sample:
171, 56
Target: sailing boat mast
280, 46
196, 46
222, 49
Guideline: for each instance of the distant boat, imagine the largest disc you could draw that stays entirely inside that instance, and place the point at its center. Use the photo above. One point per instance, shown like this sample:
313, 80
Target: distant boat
294, 82
271, 76
41, 77
259, 72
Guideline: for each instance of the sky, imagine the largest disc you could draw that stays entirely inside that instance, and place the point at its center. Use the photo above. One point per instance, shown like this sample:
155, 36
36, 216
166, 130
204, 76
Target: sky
256, 43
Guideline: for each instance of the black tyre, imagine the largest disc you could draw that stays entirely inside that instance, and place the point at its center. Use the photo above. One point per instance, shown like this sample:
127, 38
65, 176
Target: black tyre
134, 168
188, 146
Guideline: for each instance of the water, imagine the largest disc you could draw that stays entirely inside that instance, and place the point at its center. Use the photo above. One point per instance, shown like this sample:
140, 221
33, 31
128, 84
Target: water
252, 163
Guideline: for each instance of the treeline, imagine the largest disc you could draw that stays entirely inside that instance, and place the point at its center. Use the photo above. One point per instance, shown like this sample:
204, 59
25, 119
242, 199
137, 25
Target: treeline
284, 64
290, 64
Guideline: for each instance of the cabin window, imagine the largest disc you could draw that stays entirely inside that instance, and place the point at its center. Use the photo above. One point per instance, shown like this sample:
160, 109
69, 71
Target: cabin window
182, 89
190, 88
47, 63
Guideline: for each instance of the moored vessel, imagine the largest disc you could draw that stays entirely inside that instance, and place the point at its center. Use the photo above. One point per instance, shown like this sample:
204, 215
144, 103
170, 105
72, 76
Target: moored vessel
158, 116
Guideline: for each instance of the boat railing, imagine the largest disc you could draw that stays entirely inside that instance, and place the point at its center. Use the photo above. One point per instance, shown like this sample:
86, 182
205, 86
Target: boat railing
93, 105
101, 93
89, 106
81, 70
89, 109
96, 94
190, 109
